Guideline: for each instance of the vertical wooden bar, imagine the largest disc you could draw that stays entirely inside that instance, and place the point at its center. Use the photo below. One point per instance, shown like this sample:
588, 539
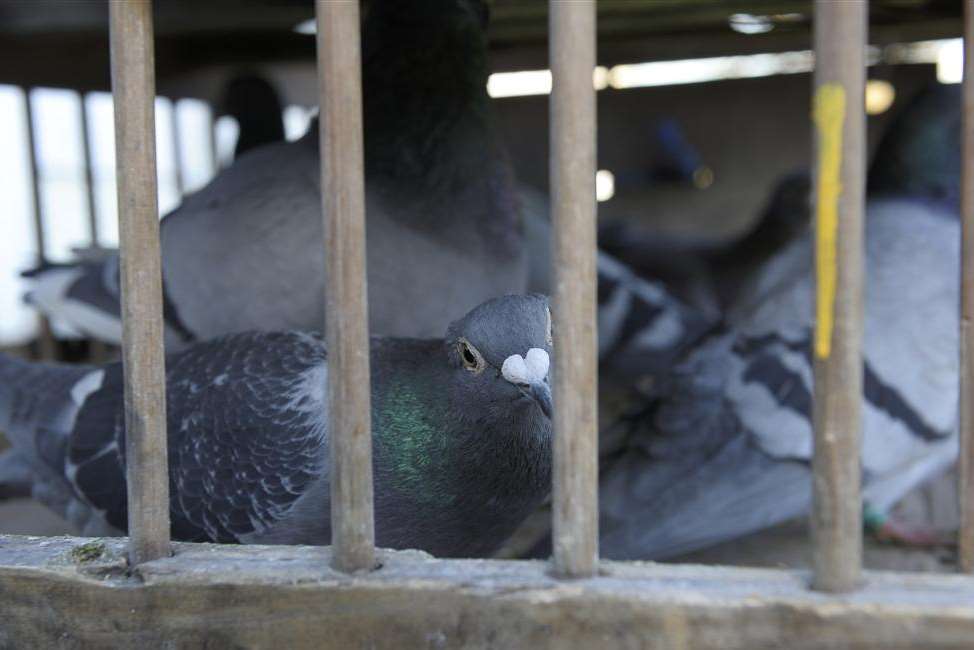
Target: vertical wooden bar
93, 234
346, 311
575, 515
839, 117
133, 90
966, 474
45, 339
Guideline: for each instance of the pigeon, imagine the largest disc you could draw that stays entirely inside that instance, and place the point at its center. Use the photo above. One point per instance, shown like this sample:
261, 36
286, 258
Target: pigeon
724, 447
253, 101
643, 329
709, 275
674, 161
461, 430
443, 226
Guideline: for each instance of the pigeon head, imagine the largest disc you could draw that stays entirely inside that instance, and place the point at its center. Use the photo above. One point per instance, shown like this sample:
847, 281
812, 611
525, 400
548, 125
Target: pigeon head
919, 155
500, 352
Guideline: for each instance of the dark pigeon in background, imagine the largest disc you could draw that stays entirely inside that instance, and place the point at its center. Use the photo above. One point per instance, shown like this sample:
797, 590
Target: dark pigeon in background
461, 435
643, 329
674, 160
707, 274
724, 448
253, 101
443, 222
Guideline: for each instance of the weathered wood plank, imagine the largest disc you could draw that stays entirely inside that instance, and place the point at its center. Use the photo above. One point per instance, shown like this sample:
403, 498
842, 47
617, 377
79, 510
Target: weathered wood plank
134, 90
840, 124
74, 593
346, 302
575, 520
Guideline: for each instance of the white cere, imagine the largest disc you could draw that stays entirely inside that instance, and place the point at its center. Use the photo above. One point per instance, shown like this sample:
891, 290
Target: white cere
532, 370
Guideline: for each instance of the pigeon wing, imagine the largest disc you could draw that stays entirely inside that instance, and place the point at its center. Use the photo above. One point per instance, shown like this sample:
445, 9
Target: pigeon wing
246, 421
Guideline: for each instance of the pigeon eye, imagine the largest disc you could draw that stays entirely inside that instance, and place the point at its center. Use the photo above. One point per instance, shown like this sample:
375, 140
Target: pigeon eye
471, 358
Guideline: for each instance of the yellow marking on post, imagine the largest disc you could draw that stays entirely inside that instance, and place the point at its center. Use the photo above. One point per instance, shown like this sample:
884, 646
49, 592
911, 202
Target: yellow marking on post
829, 114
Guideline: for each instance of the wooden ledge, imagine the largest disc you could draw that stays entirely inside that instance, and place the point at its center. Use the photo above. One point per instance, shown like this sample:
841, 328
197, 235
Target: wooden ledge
75, 592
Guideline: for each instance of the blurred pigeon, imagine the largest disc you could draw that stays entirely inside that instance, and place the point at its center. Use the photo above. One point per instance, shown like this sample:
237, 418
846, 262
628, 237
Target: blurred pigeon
253, 101
443, 226
674, 160
724, 449
643, 329
461, 435
677, 161
709, 274
919, 155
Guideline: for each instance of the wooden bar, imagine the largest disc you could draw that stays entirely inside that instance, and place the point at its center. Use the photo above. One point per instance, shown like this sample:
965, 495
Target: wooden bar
575, 496
133, 90
839, 117
965, 541
346, 310
93, 230
45, 339
68, 592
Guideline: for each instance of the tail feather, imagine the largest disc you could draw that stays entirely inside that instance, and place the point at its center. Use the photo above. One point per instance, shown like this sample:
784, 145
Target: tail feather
82, 296
693, 474
643, 329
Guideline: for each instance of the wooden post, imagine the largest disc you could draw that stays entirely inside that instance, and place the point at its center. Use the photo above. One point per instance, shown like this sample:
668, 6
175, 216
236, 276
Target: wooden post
839, 117
133, 90
966, 473
45, 339
575, 497
346, 310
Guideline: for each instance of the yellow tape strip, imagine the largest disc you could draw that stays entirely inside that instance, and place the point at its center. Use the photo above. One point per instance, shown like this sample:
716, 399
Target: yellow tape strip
828, 113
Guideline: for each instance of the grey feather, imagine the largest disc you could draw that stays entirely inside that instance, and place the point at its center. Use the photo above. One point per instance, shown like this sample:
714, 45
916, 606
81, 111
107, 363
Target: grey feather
642, 327
443, 223
725, 447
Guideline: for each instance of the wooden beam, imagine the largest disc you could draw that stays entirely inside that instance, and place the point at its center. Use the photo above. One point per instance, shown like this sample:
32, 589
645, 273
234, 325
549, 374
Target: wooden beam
840, 159
966, 473
133, 89
70, 592
346, 301
575, 520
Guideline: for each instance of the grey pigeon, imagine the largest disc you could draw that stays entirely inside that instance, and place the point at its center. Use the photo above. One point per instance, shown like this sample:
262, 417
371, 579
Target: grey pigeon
443, 223
642, 327
707, 274
254, 102
461, 435
724, 449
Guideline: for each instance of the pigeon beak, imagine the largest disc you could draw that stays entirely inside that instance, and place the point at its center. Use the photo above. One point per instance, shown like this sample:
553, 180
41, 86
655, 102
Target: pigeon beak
540, 392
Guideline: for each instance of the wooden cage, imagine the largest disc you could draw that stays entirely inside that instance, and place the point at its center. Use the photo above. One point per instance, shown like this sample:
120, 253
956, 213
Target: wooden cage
149, 592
